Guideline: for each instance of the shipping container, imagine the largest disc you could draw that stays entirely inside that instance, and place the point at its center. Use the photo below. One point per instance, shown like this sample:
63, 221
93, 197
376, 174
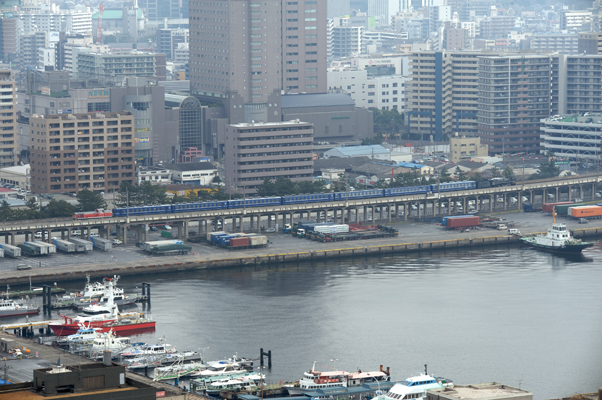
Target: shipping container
224, 240
215, 238
464, 222
43, 249
64, 245
51, 247
586, 212
210, 234
341, 228
11, 251
444, 219
563, 209
101, 244
82, 245
548, 207
240, 242
259, 241
166, 234
149, 245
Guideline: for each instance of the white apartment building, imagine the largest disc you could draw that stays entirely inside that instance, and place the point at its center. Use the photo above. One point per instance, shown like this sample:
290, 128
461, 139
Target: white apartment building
46, 57
384, 92
71, 21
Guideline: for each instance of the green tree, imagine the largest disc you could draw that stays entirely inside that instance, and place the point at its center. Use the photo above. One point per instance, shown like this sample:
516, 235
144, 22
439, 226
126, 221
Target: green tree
495, 172
267, 188
90, 200
460, 174
143, 195
547, 168
509, 173
5, 211
478, 177
33, 209
444, 176
284, 187
58, 209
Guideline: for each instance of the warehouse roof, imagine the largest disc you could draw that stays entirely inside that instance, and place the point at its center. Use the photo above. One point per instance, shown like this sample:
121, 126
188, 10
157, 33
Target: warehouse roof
316, 100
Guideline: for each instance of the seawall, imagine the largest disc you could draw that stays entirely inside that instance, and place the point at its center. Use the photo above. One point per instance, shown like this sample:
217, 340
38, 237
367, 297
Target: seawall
184, 263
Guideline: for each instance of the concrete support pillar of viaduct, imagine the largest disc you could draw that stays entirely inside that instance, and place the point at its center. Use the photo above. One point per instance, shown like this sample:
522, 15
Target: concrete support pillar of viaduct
580, 191
373, 214
505, 197
491, 203
558, 198
125, 233
531, 196
405, 211
12, 239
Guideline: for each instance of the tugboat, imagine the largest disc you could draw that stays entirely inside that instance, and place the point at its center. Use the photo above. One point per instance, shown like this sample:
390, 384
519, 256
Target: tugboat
557, 240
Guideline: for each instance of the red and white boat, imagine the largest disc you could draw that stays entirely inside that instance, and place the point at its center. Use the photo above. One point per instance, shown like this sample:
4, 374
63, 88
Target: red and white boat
104, 322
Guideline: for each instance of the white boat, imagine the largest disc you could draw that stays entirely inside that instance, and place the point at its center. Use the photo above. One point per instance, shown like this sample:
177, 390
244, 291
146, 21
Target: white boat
92, 290
558, 239
13, 308
110, 342
177, 370
201, 384
83, 336
415, 388
220, 369
248, 382
153, 361
161, 348
314, 380
111, 294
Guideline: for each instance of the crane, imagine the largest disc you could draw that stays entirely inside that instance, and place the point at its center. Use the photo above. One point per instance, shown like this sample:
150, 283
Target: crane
99, 34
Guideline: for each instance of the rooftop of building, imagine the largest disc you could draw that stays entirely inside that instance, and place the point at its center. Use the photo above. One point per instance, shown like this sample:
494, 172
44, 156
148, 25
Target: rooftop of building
20, 169
269, 124
316, 100
97, 115
490, 390
586, 118
198, 166
359, 150
115, 14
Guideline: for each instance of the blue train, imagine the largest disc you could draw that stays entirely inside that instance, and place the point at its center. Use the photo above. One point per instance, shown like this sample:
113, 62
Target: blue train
295, 199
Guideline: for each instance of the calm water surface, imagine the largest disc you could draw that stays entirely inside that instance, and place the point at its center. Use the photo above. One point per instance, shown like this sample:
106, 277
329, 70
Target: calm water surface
512, 315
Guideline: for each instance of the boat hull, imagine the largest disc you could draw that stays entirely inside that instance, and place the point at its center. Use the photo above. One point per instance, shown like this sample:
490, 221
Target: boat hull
566, 249
19, 312
70, 329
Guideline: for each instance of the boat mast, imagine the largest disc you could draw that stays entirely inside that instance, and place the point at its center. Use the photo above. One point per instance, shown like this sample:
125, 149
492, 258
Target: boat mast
553, 215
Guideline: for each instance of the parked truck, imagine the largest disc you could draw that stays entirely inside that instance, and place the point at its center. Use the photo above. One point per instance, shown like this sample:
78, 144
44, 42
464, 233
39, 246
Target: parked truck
30, 250
287, 228
564, 208
64, 245
101, 244
528, 207
586, 212
463, 222
548, 207
51, 247
82, 245
43, 249
11, 251
169, 248
148, 246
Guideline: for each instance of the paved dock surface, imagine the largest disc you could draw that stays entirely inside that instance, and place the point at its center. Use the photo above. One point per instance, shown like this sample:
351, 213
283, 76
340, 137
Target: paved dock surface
61, 266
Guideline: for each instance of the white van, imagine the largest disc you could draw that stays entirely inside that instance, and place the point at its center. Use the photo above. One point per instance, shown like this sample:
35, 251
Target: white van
513, 232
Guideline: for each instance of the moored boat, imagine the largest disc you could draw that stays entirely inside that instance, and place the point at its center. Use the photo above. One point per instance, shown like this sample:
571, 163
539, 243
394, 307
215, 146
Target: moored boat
13, 308
247, 382
414, 388
557, 240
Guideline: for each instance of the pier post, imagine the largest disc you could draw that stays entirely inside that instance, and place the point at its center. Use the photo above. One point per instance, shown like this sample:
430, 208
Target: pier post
46, 305
148, 293
268, 354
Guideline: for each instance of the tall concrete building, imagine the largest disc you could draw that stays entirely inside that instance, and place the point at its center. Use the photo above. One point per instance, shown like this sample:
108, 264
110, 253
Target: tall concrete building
576, 84
385, 10
589, 43
441, 97
244, 53
258, 151
8, 122
514, 95
82, 151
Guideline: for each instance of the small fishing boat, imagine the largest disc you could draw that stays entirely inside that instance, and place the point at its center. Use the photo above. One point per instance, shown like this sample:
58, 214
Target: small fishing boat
13, 308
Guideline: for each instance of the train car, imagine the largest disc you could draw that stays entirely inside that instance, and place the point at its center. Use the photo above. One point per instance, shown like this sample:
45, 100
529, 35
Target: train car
98, 213
142, 210
307, 198
257, 202
208, 205
403, 191
359, 194
452, 186
497, 182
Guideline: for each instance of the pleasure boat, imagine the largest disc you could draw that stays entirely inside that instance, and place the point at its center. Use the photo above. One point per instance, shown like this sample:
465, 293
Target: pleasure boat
248, 382
221, 369
161, 348
110, 342
109, 289
92, 290
201, 384
12, 308
313, 380
415, 388
82, 336
153, 361
557, 240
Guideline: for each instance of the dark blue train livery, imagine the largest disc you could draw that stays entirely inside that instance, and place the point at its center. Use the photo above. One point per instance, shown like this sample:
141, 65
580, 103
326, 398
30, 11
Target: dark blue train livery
309, 198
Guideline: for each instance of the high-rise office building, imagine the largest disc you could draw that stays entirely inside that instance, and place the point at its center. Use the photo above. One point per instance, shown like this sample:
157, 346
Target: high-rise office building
8, 123
514, 95
244, 53
576, 84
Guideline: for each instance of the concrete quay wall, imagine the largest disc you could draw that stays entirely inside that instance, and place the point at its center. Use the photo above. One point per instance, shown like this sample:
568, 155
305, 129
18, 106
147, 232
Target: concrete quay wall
184, 263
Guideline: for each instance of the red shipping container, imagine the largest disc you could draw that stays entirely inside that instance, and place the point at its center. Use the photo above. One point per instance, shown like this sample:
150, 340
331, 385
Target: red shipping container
239, 242
548, 207
463, 222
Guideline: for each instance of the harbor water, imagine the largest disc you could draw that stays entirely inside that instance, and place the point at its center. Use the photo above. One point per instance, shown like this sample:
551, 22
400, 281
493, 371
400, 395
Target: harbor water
508, 314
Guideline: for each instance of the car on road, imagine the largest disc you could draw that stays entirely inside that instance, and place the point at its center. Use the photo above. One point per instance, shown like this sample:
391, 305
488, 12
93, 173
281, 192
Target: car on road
22, 267
154, 228
117, 241
270, 230
167, 227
